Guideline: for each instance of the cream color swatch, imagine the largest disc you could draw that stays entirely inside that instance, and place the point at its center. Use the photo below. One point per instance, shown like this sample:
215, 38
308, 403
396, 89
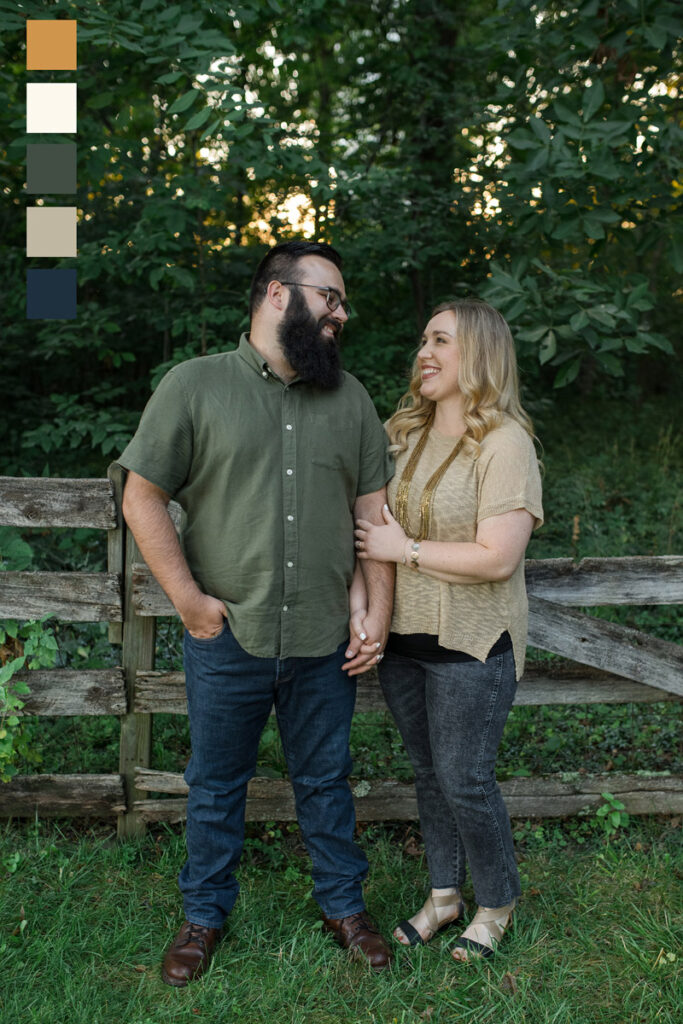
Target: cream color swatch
51, 231
51, 107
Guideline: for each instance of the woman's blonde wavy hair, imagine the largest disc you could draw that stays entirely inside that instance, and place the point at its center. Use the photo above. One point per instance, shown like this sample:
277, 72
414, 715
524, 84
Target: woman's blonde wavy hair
487, 377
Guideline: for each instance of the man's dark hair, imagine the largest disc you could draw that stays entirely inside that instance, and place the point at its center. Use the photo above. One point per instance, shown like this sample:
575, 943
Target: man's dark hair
281, 264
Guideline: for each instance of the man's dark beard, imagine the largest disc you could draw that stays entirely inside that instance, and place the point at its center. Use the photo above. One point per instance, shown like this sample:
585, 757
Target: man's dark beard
316, 359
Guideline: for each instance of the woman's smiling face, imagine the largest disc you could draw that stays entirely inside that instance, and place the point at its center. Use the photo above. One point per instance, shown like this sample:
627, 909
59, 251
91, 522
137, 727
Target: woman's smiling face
439, 358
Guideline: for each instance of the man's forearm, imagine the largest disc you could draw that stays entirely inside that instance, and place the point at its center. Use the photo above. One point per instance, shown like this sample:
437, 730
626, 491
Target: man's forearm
154, 532
145, 507
379, 583
379, 576
157, 539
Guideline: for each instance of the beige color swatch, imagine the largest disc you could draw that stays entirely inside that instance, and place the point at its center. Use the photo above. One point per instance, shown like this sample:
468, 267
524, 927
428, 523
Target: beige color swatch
51, 107
51, 231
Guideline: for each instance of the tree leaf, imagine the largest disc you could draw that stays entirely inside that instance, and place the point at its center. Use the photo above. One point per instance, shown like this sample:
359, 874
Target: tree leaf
567, 373
593, 99
656, 35
565, 114
548, 348
198, 119
170, 77
183, 102
156, 276
540, 129
579, 320
592, 227
520, 139
601, 316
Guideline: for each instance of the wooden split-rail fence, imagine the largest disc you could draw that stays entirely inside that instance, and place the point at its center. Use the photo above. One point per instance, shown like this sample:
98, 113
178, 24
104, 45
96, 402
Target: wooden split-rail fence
607, 663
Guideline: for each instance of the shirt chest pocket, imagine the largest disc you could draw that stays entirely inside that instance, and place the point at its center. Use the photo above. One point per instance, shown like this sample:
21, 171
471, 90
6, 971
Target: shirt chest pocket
333, 445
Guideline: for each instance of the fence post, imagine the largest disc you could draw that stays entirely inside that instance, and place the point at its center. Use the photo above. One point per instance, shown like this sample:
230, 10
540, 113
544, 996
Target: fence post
137, 652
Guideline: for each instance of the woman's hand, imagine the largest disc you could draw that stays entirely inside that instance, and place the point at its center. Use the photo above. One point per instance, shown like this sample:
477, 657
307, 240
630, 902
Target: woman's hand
381, 543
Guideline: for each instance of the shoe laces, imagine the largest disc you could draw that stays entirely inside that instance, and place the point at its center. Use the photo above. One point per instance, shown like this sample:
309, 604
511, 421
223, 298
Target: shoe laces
359, 922
196, 933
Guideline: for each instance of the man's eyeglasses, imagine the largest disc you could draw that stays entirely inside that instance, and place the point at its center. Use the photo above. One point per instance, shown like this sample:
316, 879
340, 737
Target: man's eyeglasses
332, 296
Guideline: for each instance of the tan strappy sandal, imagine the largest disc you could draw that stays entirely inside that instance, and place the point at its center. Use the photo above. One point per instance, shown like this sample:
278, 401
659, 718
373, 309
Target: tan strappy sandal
454, 900
489, 926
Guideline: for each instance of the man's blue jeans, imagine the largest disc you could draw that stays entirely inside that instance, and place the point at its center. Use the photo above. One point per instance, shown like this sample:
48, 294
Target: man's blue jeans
230, 694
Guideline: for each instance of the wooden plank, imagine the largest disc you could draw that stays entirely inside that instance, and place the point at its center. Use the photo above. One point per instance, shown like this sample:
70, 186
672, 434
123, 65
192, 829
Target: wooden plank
42, 501
607, 581
69, 596
148, 598
590, 582
61, 692
116, 540
388, 800
62, 796
137, 653
605, 645
164, 692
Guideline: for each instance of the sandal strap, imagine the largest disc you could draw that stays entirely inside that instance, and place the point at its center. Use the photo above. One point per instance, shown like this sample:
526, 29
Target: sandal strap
432, 902
475, 947
412, 934
494, 922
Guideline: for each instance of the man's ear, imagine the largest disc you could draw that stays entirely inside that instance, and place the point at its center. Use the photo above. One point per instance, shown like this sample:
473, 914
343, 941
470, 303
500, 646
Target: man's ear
276, 295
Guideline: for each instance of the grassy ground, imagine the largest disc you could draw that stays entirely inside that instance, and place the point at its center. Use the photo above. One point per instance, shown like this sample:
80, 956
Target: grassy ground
84, 921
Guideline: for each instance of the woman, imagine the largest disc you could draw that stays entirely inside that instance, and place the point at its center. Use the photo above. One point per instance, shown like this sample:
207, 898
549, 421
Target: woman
466, 496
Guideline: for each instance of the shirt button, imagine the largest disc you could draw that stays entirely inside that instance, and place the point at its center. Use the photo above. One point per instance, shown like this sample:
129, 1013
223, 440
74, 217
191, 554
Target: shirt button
289, 426
290, 519
285, 607
265, 373
289, 472
290, 565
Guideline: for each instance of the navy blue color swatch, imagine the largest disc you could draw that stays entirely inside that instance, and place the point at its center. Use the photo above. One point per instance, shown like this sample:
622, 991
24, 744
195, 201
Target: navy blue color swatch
50, 294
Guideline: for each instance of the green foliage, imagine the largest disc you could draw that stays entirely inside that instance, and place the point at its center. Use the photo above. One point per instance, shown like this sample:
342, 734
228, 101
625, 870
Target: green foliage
28, 645
612, 815
527, 153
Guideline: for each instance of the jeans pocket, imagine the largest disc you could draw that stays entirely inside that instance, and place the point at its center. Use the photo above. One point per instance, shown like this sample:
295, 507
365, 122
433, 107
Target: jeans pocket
202, 641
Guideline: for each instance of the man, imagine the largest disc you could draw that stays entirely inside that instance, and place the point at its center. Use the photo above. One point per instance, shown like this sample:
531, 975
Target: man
271, 451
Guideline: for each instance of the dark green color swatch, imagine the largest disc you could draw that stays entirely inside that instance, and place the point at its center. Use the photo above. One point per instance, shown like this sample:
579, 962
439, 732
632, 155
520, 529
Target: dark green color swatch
51, 168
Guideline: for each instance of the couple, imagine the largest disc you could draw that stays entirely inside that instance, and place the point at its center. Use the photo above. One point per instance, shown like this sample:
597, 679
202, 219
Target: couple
274, 453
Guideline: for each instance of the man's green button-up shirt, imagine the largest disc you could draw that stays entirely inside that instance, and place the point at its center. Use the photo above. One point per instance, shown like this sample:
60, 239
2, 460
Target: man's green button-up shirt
267, 474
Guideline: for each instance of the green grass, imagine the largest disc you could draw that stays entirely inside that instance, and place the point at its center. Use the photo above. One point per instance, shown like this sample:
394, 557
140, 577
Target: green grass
84, 922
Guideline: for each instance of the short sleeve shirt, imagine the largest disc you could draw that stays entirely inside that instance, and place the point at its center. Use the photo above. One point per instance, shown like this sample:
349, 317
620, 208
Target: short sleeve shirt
267, 474
501, 477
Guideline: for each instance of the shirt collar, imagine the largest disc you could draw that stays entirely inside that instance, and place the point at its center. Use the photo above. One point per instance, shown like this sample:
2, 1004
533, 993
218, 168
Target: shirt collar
256, 361
251, 357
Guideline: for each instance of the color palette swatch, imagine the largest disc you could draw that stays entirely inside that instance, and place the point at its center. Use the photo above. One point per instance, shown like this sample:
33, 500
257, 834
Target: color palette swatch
51, 109
51, 294
51, 45
51, 231
51, 168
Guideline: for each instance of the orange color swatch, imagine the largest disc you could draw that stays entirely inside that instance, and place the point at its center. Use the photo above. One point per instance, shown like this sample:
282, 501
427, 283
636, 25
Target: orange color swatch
51, 45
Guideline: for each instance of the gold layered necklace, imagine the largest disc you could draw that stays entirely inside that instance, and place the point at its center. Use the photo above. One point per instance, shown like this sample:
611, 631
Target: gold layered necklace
428, 493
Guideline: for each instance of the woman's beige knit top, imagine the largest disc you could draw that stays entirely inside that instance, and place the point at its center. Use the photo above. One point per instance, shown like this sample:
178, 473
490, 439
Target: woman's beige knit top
503, 476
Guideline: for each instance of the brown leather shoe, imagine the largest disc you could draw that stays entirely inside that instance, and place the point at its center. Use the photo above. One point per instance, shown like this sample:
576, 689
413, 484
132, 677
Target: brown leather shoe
189, 954
358, 933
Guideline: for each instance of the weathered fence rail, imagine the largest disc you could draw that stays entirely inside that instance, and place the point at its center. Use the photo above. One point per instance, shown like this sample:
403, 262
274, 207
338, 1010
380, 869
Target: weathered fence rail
609, 664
